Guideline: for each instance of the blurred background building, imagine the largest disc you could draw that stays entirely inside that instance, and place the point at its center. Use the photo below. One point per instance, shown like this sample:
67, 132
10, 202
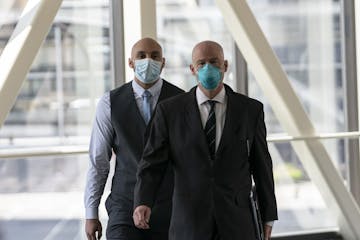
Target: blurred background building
41, 197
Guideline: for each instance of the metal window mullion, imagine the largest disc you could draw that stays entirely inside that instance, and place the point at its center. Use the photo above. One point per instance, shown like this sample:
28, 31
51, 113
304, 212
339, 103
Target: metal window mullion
80, 148
241, 72
351, 106
117, 42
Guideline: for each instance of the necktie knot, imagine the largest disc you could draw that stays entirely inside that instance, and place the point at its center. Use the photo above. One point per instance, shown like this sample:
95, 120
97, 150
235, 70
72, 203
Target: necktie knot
146, 94
212, 104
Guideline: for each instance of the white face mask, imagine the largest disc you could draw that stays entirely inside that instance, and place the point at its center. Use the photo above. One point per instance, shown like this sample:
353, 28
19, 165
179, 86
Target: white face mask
147, 70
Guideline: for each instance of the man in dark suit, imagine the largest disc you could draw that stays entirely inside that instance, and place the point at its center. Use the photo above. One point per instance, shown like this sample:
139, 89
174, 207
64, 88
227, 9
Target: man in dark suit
215, 139
121, 119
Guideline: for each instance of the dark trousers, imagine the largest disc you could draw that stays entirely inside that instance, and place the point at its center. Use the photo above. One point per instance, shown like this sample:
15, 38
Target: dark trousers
126, 232
215, 233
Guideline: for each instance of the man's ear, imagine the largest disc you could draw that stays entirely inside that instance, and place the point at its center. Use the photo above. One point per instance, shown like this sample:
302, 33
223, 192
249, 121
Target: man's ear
192, 69
225, 65
163, 63
131, 63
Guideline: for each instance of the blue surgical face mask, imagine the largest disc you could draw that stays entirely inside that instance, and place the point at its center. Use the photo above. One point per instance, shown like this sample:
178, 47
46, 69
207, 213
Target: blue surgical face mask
209, 76
147, 70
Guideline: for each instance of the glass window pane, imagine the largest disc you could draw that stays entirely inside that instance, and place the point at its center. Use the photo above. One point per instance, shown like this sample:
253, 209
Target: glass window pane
181, 24
70, 72
56, 106
306, 37
300, 205
10, 11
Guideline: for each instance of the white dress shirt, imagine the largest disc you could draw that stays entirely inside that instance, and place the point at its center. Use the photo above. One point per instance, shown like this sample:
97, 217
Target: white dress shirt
220, 111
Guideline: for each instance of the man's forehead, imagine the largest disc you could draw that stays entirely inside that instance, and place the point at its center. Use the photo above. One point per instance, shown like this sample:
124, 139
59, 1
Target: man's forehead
147, 44
208, 54
147, 51
210, 58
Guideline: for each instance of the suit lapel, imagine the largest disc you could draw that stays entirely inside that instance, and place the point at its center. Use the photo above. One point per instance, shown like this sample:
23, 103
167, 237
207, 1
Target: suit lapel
193, 120
233, 120
164, 93
134, 111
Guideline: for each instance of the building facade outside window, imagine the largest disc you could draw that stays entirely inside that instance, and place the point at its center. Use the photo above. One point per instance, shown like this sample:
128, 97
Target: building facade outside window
42, 197
57, 103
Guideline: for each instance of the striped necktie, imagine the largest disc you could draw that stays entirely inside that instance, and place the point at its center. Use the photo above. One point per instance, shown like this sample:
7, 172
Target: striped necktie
210, 129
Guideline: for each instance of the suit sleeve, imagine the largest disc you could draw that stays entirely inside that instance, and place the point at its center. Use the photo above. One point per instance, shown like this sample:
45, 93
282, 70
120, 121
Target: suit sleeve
261, 165
154, 162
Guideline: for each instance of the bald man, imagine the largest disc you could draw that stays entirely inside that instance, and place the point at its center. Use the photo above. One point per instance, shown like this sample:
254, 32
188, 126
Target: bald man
120, 122
215, 140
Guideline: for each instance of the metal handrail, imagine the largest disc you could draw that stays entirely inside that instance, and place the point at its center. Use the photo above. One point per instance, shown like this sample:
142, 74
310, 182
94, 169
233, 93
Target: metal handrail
43, 151
275, 138
83, 149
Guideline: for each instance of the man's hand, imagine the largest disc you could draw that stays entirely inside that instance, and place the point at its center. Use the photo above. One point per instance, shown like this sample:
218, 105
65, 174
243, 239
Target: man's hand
267, 232
91, 227
141, 216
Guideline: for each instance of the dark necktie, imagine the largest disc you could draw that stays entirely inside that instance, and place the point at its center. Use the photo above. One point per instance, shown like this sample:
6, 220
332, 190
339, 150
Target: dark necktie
210, 129
146, 106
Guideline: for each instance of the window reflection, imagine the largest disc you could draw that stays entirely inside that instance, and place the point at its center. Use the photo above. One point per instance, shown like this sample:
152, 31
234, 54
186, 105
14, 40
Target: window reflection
180, 25
306, 37
55, 106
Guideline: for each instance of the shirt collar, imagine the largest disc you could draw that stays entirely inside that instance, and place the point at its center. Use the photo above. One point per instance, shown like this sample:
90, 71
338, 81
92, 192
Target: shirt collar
154, 89
202, 98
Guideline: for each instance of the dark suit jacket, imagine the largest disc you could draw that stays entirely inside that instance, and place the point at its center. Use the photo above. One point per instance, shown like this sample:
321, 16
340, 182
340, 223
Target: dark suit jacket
209, 192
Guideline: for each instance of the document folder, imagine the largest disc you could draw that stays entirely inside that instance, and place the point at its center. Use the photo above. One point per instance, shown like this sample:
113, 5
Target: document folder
259, 228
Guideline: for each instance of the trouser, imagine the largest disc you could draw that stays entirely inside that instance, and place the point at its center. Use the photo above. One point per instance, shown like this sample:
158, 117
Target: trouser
215, 233
130, 232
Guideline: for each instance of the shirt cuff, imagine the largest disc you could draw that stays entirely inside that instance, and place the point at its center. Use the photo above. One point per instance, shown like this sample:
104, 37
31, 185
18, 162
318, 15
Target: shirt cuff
270, 223
91, 213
